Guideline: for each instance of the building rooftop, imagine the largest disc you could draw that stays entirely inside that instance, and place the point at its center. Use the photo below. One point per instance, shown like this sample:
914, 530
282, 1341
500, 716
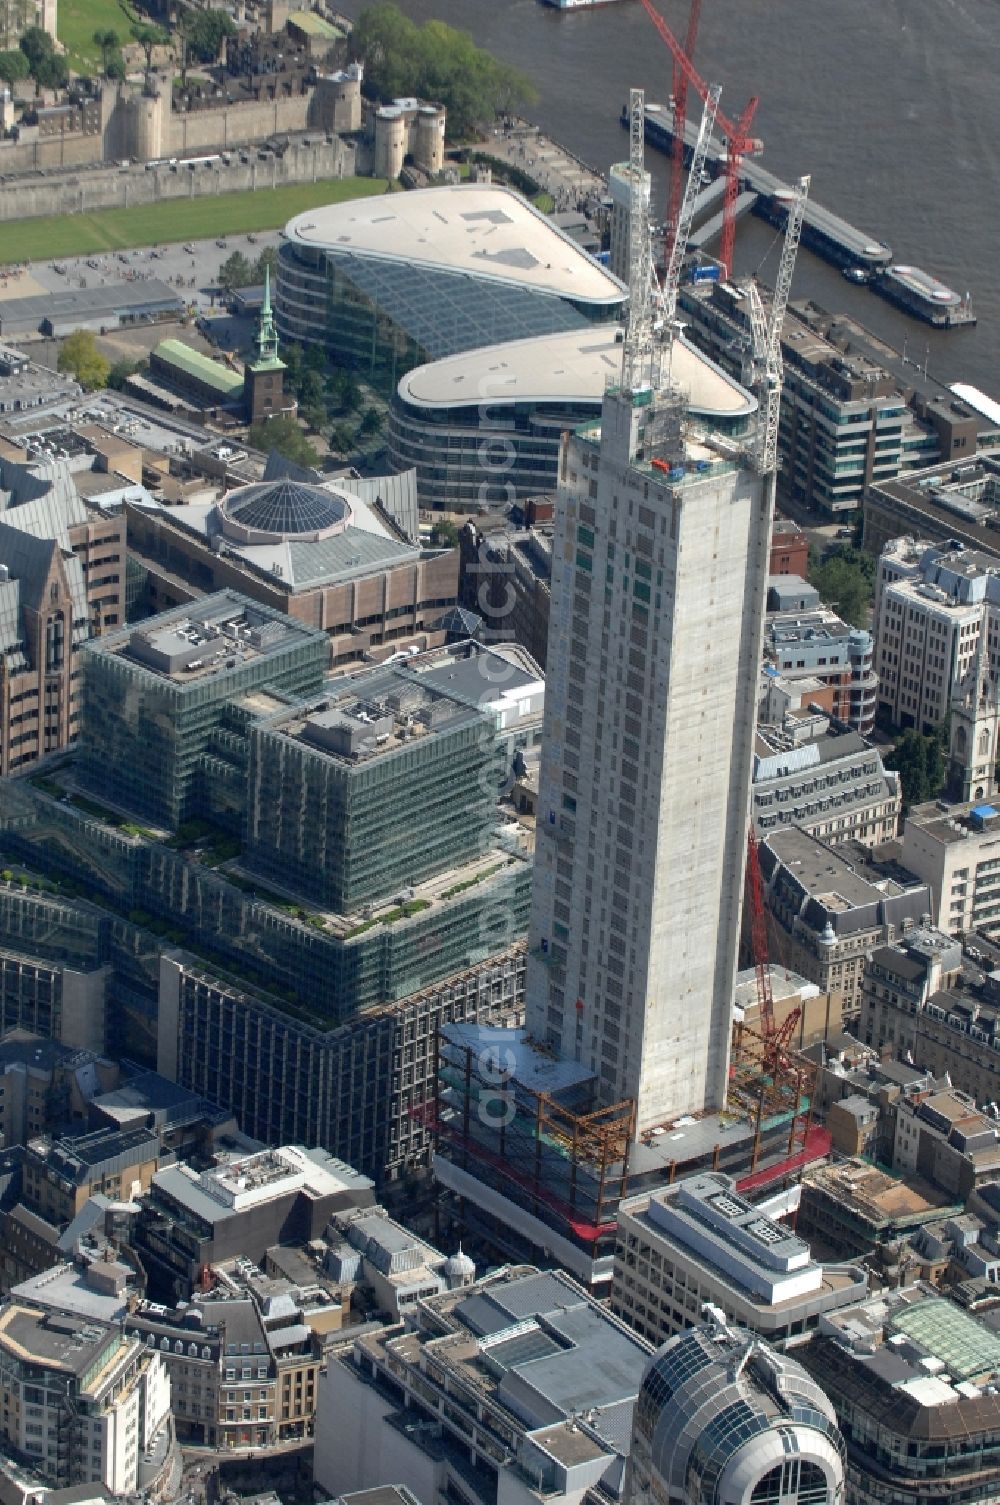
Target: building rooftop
190, 362
947, 824
56, 1340
312, 25
21, 315
821, 627
68, 1288
961, 499
538, 1347
876, 1195
378, 713
914, 1361
705, 1214
77, 1159
285, 508
383, 1494
363, 545
573, 367
250, 1180
495, 677
476, 229
193, 642
785, 984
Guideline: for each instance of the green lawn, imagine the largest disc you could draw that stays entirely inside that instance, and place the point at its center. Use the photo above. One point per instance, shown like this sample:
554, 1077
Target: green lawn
173, 220
77, 20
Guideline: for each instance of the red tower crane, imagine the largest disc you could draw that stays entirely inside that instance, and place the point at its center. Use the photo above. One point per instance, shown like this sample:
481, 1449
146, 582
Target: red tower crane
738, 143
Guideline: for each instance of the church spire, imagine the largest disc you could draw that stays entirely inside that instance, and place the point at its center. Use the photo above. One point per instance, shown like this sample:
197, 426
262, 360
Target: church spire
267, 334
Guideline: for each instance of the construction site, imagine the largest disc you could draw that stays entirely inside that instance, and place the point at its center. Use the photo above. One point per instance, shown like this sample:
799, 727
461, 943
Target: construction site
511, 1113
538, 1150
529, 1138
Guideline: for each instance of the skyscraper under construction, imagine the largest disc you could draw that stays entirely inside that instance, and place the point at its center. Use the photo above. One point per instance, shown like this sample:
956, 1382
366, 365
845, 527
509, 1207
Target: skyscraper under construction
659, 572
659, 576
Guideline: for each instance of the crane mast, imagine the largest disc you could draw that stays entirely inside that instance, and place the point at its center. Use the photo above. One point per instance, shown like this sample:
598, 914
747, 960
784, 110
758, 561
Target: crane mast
765, 337
641, 362
685, 219
738, 143
680, 121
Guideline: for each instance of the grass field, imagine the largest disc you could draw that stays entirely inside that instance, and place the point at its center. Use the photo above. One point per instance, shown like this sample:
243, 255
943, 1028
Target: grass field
173, 220
76, 23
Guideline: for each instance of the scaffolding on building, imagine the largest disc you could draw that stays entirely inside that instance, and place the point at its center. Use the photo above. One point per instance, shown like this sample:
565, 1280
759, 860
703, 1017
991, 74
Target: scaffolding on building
566, 1163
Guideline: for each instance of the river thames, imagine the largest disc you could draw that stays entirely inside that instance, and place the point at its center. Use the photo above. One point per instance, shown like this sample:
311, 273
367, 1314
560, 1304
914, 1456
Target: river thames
893, 109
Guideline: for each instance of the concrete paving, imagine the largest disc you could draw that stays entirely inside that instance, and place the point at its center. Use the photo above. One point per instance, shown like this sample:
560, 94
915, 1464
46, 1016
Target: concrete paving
192, 268
569, 181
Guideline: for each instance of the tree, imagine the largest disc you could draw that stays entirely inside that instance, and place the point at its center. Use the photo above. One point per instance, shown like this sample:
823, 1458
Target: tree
47, 67
435, 61
371, 423
204, 33
845, 578
122, 370
342, 438
444, 534
148, 37
115, 69
52, 72
284, 436
235, 272
36, 44
292, 357
109, 42
310, 394
267, 261
13, 66
919, 761
80, 356
345, 391
309, 389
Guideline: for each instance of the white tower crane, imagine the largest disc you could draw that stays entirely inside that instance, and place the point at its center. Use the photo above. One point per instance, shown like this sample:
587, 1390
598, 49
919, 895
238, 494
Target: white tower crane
640, 353
650, 310
685, 217
765, 335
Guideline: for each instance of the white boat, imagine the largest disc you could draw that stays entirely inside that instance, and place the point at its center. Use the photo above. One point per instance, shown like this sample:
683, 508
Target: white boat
577, 4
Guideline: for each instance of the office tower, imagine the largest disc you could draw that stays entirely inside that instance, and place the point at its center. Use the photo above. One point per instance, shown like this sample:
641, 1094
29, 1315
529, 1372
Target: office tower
722, 1416
659, 571
156, 695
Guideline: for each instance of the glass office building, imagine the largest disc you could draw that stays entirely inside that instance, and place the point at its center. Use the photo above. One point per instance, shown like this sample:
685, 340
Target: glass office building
386, 285
484, 428
154, 695
384, 782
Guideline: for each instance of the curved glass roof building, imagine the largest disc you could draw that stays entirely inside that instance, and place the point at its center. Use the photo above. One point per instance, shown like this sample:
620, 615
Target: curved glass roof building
395, 281
484, 428
723, 1419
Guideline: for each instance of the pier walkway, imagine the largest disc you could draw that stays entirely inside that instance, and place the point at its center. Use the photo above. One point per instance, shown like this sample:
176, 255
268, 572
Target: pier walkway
825, 233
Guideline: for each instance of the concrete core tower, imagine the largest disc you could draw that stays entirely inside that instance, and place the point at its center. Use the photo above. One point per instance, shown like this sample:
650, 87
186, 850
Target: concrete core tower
660, 563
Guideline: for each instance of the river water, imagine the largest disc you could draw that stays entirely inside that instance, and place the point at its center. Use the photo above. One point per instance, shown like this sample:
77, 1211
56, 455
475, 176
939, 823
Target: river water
893, 107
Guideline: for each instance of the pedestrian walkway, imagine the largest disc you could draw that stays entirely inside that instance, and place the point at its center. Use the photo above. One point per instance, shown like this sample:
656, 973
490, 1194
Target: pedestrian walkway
570, 182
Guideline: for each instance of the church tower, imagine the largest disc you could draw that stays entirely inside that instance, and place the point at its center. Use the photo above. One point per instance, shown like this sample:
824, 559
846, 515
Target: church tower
264, 377
975, 719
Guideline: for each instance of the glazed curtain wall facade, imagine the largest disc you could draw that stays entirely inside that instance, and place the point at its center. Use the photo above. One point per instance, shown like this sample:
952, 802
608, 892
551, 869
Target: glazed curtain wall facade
143, 734
350, 834
319, 974
468, 458
359, 1091
383, 318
